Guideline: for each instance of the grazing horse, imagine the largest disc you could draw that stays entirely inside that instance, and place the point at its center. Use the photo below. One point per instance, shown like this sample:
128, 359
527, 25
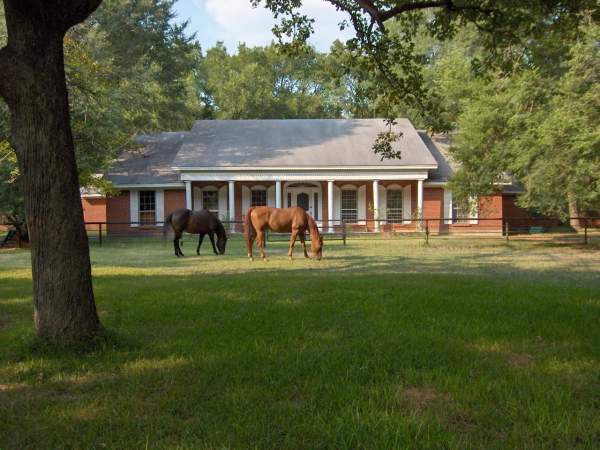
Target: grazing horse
196, 222
290, 220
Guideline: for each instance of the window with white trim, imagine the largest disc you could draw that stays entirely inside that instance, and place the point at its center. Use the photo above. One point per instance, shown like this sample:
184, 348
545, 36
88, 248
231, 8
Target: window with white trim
460, 212
394, 206
147, 207
259, 197
210, 200
349, 204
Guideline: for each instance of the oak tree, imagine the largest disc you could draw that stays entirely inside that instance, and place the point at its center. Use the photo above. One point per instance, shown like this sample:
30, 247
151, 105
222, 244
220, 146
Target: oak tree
32, 82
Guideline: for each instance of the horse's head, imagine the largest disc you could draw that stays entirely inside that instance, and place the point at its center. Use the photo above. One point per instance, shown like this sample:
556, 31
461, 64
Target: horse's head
316, 245
221, 243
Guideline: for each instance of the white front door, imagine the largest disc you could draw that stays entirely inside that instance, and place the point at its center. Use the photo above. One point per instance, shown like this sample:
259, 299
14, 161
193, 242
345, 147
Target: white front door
306, 197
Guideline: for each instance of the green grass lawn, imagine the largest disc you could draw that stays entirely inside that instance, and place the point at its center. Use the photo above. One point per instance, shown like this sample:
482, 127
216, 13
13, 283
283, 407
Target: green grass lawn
382, 344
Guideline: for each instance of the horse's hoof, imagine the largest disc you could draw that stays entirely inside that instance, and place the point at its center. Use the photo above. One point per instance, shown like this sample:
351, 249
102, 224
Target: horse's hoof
265, 259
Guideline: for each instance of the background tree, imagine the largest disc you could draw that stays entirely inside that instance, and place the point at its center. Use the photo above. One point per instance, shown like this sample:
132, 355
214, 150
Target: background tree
116, 64
264, 83
540, 127
506, 30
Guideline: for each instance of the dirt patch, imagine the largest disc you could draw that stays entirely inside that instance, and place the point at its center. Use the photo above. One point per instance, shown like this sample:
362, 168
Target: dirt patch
520, 361
421, 398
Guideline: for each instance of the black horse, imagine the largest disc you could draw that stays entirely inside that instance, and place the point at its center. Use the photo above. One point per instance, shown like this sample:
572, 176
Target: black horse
196, 222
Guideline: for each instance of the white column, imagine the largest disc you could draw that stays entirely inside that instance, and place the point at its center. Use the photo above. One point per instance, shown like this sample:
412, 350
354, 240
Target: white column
330, 204
231, 192
277, 194
420, 202
376, 213
188, 194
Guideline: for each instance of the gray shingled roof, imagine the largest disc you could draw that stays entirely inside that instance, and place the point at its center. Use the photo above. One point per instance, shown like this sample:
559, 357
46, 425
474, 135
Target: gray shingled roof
438, 145
297, 143
151, 163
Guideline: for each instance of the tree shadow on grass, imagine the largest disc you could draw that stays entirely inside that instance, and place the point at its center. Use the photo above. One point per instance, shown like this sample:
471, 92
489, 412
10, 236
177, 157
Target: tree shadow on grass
311, 360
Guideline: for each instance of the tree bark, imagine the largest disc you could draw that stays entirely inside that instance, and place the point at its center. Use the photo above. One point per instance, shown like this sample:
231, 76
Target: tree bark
32, 81
574, 214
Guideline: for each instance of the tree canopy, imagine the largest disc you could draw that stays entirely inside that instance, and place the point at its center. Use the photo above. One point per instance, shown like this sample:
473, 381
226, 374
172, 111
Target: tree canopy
540, 128
129, 69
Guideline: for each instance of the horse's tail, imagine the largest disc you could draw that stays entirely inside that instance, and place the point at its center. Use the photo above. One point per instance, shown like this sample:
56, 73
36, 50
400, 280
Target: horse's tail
248, 228
168, 222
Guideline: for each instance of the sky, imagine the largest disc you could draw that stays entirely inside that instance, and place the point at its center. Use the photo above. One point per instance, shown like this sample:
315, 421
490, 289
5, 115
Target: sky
235, 21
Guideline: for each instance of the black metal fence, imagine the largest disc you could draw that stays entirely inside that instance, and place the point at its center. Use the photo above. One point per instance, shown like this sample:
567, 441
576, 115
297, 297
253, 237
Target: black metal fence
345, 230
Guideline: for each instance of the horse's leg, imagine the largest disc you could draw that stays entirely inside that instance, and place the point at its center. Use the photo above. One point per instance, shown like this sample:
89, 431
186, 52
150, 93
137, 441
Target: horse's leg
200, 239
292, 242
260, 234
176, 244
249, 245
212, 241
303, 242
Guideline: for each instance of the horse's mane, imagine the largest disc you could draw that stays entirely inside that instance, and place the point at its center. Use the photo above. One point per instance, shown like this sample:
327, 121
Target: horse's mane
221, 228
312, 226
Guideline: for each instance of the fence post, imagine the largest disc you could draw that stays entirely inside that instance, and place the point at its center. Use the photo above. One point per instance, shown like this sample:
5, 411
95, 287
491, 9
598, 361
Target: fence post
506, 230
585, 230
344, 231
426, 231
100, 234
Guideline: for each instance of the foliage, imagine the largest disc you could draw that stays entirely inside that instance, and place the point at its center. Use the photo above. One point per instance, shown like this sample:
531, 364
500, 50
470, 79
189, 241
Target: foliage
263, 83
130, 69
11, 197
505, 27
539, 127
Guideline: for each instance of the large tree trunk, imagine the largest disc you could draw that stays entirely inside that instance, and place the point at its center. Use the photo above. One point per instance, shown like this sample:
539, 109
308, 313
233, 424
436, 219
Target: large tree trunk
32, 81
574, 214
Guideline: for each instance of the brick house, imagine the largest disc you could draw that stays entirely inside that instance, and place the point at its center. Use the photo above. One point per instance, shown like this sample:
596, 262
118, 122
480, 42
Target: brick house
326, 166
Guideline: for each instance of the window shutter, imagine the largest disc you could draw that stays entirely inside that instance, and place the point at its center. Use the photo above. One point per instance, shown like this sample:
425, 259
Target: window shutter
361, 207
337, 203
381, 208
223, 194
134, 207
197, 198
447, 206
406, 202
160, 207
245, 199
271, 196
474, 216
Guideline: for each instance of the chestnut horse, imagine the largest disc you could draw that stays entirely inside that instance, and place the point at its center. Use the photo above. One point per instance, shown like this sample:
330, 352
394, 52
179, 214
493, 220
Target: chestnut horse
196, 222
291, 220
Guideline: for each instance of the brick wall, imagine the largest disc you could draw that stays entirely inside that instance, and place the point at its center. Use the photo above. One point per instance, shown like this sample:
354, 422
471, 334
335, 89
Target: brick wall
527, 218
433, 208
94, 210
174, 199
118, 210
